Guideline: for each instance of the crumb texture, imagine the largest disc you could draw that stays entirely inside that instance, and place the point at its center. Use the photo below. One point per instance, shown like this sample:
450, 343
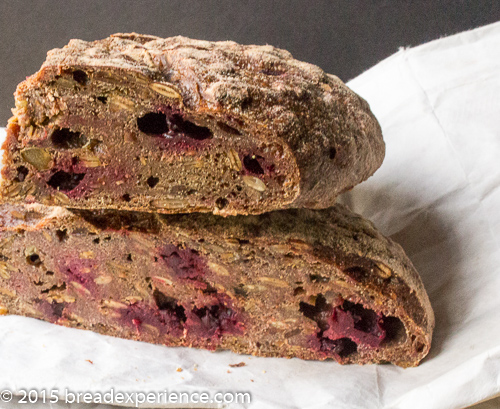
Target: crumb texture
312, 284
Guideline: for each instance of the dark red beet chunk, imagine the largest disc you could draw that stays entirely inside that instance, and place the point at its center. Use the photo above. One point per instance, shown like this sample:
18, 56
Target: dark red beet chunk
361, 325
166, 320
215, 321
185, 263
52, 311
349, 322
80, 271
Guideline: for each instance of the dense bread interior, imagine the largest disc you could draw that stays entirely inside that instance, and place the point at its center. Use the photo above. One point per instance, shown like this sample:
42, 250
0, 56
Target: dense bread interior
135, 277
106, 138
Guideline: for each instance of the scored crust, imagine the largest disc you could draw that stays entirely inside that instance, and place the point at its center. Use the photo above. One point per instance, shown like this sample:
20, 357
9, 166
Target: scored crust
284, 133
312, 284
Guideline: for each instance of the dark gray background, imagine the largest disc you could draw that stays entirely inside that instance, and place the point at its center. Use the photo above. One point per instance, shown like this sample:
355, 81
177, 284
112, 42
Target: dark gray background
344, 37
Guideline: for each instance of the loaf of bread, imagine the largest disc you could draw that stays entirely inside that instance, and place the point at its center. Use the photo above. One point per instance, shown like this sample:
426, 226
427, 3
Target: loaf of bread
175, 125
312, 284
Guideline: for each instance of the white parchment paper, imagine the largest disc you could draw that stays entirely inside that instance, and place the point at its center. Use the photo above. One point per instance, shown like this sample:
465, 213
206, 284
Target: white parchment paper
437, 194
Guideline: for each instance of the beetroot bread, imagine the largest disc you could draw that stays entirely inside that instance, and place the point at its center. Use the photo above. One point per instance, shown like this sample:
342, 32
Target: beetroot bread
176, 125
313, 284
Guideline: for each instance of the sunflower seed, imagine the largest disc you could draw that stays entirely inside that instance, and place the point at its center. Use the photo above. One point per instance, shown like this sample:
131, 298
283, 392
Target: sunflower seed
115, 304
234, 159
165, 89
254, 183
169, 203
383, 271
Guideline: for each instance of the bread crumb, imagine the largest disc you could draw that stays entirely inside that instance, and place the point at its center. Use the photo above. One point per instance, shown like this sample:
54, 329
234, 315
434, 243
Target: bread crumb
179, 369
88, 360
228, 371
237, 365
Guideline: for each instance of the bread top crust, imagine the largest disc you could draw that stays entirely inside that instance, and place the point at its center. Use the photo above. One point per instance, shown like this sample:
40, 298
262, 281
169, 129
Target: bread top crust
336, 140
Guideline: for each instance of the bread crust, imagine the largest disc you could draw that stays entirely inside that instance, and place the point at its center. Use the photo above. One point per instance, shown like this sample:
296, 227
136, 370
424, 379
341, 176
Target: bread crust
334, 139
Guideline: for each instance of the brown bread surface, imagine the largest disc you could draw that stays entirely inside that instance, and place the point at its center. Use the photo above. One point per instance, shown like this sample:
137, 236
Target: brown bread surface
312, 284
176, 125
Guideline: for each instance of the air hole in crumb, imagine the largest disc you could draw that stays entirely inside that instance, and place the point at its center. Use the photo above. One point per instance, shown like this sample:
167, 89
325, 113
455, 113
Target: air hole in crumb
33, 260
226, 128
126, 197
355, 237
239, 188
178, 125
22, 172
65, 181
96, 241
55, 287
332, 153
394, 330
298, 291
366, 318
316, 278
62, 234
210, 289
356, 272
58, 308
251, 163
343, 346
312, 311
221, 203
129, 257
153, 123
241, 291
49, 273
104, 100
152, 181
80, 76
246, 103
63, 138
165, 303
